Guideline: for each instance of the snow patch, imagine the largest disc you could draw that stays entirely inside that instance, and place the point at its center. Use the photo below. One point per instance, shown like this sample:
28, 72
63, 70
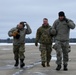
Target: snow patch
38, 73
3, 44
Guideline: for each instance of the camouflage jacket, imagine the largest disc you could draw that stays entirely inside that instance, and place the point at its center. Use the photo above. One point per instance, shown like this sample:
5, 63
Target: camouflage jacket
63, 29
41, 35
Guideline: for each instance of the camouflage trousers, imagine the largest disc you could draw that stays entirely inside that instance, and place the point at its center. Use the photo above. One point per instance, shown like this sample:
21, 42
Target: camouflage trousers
18, 51
62, 51
45, 52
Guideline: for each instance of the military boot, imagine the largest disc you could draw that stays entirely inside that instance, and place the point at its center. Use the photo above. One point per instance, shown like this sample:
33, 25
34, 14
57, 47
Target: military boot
16, 62
43, 64
65, 68
22, 64
48, 65
58, 67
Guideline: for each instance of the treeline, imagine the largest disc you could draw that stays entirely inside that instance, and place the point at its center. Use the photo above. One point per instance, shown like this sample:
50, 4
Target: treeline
30, 40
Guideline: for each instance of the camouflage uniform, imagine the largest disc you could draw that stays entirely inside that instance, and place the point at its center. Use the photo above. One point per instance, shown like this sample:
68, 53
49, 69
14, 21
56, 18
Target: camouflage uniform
19, 44
62, 39
45, 52
18, 51
45, 43
62, 46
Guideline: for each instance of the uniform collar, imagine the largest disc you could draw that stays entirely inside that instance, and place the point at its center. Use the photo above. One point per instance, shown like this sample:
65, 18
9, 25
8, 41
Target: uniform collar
45, 26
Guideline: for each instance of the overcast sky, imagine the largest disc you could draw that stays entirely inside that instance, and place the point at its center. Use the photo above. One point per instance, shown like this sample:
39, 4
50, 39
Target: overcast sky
33, 12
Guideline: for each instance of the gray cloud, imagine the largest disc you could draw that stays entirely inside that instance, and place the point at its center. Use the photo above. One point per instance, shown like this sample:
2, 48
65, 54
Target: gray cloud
33, 11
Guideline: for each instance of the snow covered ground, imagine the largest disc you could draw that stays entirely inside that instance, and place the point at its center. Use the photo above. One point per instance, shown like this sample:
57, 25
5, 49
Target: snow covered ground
27, 44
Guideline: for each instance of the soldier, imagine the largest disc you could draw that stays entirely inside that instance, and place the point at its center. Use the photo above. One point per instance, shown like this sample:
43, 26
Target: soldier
19, 34
44, 37
62, 26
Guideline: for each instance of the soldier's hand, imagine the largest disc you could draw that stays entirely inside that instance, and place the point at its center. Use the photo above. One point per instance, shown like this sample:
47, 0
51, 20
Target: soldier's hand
66, 20
36, 44
17, 36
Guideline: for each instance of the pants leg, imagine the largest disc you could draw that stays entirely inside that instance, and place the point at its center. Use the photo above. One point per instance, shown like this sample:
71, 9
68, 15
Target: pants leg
65, 53
21, 51
58, 53
48, 55
43, 55
43, 52
16, 51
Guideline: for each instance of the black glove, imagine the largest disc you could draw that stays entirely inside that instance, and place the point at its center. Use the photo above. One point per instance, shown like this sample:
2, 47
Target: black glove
36, 44
66, 20
23, 23
18, 35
